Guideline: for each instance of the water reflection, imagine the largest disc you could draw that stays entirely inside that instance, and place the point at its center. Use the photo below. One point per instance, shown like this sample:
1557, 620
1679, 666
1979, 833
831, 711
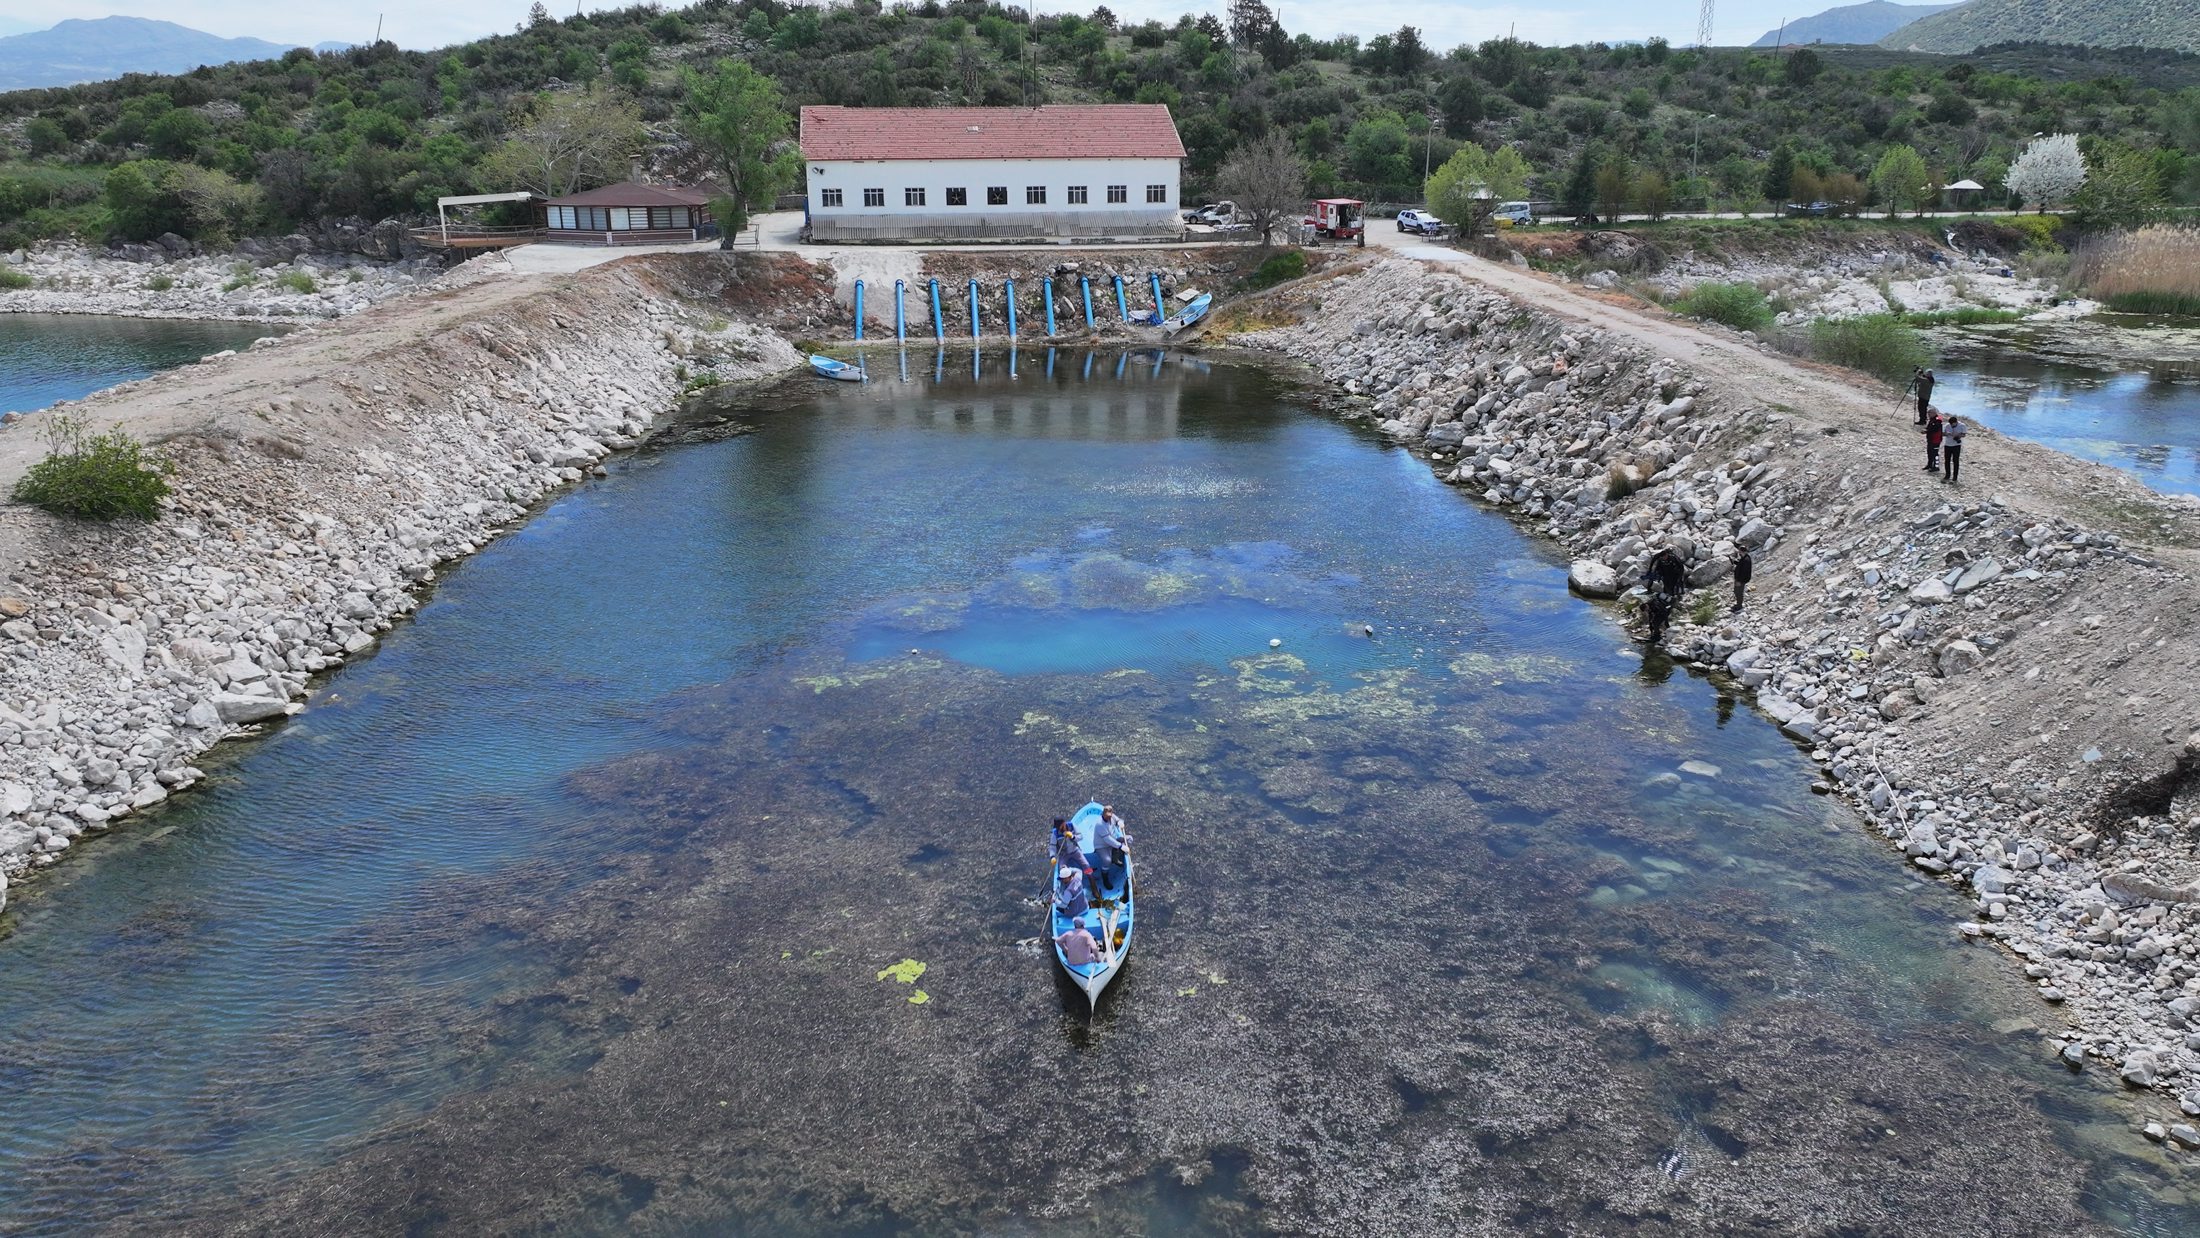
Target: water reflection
2118, 389
52, 357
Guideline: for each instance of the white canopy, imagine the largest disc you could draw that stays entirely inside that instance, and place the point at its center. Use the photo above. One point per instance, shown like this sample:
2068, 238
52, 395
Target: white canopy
1966, 184
478, 199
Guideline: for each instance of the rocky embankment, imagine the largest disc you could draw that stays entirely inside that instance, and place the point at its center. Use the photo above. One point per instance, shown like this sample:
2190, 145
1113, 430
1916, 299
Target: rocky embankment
320, 482
2004, 691
271, 281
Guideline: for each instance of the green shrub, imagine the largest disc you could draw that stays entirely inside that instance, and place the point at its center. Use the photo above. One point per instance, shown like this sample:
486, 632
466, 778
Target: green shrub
701, 382
1875, 343
160, 283
1288, 264
101, 476
296, 281
1740, 306
14, 279
2038, 230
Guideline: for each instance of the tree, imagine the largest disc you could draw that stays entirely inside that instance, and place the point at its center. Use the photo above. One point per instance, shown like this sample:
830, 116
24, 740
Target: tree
1803, 67
736, 119
1779, 183
1460, 100
1408, 53
1471, 184
139, 206
1900, 178
567, 142
2051, 169
1375, 150
2122, 190
1654, 192
1267, 180
46, 137
1580, 195
1614, 181
1250, 22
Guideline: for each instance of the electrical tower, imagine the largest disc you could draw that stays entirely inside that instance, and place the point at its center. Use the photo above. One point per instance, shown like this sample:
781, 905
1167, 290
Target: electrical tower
1703, 26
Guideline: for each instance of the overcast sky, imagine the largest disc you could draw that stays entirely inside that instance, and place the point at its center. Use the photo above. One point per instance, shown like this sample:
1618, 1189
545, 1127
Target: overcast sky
435, 23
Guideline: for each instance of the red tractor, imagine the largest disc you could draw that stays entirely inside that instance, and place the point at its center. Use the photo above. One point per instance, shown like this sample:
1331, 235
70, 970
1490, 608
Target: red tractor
1339, 218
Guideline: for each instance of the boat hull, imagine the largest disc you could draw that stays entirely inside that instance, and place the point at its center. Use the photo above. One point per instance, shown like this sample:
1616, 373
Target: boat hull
839, 371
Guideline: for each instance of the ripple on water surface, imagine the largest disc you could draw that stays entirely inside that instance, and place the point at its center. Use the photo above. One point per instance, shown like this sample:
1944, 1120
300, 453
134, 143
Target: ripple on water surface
593, 869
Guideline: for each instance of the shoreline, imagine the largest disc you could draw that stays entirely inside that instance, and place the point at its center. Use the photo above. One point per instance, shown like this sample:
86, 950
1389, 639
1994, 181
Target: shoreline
238, 287
1915, 641
337, 472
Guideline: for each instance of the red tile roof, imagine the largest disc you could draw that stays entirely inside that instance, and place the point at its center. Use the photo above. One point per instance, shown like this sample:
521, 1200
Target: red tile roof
632, 193
1055, 131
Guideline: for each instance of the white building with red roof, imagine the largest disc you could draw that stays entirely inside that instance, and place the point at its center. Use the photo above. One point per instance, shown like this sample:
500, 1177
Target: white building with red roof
1062, 171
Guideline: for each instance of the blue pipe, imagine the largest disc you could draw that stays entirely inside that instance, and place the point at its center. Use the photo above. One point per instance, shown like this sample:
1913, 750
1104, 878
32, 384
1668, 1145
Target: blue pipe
973, 309
939, 366
1120, 304
1158, 315
1086, 283
977, 356
904, 365
1010, 285
939, 322
1050, 363
1087, 375
1012, 361
901, 331
859, 309
1122, 360
1048, 288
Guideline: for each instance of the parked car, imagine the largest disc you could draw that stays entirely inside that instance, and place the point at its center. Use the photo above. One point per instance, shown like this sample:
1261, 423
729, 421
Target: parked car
1218, 213
1419, 221
1197, 215
1814, 210
1517, 214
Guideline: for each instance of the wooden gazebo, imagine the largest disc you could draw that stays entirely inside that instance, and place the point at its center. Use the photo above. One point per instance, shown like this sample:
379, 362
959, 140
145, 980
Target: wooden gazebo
629, 214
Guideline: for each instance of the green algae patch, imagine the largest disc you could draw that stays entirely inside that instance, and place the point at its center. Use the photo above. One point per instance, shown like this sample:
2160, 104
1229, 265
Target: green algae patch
905, 971
885, 669
1496, 672
919, 997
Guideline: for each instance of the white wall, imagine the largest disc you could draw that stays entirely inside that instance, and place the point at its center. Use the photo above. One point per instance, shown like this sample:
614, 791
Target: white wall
935, 177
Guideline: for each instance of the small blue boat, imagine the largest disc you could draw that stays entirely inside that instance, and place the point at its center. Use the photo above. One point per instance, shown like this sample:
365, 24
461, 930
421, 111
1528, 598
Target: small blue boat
1193, 311
839, 370
1111, 909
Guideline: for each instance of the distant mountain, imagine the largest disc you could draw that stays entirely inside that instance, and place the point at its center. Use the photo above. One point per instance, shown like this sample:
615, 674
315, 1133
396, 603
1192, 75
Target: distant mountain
2172, 24
1853, 23
90, 51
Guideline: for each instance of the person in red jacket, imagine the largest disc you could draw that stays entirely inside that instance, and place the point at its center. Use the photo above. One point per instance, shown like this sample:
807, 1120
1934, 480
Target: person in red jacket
1934, 427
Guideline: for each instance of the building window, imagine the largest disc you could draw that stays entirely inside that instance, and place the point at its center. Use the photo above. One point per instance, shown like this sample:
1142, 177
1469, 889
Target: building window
1077, 195
562, 217
874, 197
1157, 193
830, 197
996, 195
1119, 193
912, 197
589, 218
1035, 195
958, 197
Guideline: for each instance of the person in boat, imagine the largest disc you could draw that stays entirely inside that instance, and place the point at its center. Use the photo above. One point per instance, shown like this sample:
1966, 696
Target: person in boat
1066, 851
1110, 840
1079, 946
1071, 900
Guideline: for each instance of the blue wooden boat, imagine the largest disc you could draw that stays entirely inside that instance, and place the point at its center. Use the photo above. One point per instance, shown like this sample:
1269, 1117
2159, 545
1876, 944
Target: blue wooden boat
1193, 311
1110, 917
840, 370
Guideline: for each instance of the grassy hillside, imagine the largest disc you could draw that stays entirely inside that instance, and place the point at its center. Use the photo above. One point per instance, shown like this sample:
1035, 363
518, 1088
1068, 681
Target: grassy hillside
379, 131
2095, 23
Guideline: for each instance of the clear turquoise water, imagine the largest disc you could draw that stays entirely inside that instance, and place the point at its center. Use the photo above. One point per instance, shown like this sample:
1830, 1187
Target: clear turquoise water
2120, 389
566, 908
51, 357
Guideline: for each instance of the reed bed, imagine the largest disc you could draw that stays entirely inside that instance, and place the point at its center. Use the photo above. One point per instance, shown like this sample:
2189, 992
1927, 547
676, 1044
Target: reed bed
2155, 270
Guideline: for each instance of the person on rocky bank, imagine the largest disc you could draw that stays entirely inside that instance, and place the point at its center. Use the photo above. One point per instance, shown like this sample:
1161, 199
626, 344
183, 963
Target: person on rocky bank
1743, 567
1923, 380
1951, 450
1934, 429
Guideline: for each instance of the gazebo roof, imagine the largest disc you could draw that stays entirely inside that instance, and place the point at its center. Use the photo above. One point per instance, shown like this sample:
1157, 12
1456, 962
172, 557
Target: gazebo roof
1966, 184
634, 193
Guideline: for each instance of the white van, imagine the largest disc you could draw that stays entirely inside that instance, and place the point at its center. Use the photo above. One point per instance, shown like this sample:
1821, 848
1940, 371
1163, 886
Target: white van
1518, 214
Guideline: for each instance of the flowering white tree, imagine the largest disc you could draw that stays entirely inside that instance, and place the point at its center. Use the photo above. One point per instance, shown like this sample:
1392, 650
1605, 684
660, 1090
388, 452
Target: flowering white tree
2051, 169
